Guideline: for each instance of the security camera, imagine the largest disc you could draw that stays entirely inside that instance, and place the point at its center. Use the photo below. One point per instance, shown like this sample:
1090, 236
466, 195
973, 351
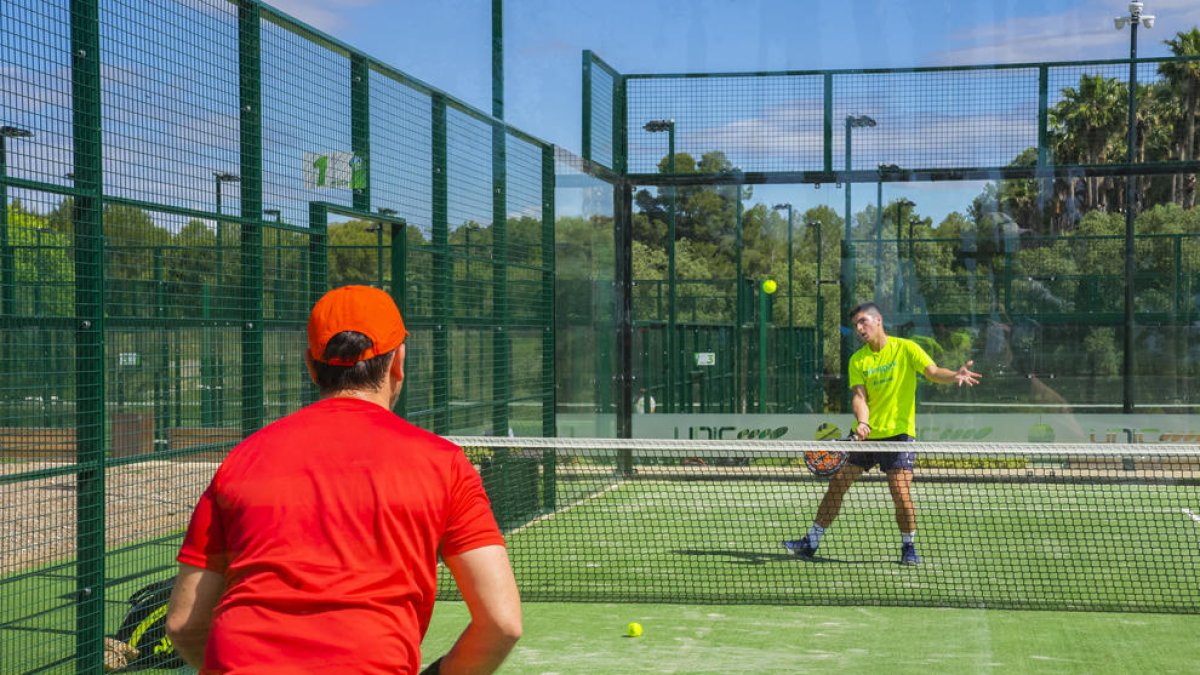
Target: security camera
1148, 21
1135, 7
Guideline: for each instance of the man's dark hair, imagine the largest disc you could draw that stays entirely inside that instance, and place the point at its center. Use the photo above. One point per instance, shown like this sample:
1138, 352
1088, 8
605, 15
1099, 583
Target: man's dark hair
346, 346
865, 307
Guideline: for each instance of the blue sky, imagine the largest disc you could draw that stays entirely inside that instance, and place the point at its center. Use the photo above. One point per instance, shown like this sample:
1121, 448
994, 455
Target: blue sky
447, 44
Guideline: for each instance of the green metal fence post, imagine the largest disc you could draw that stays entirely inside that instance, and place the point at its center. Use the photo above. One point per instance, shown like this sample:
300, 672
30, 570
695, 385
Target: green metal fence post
502, 392
763, 308
160, 367
740, 309
253, 413
442, 273
549, 398
399, 253
827, 124
1045, 185
208, 405
587, 106
89, 336
623, 317
360, 132
498, 59
318, 257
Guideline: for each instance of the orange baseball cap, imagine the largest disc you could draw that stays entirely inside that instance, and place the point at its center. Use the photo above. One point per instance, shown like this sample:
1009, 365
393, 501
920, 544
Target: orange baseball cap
361, 309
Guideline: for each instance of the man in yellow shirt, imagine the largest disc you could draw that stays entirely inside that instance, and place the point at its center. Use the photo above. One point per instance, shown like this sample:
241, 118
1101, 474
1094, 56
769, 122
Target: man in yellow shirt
883, 380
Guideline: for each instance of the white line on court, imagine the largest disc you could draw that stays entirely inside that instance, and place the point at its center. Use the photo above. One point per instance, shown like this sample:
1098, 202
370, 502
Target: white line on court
1190, 514
552, 514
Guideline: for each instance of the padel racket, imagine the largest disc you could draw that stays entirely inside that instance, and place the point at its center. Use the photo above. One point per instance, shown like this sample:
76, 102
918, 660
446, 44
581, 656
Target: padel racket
825, 462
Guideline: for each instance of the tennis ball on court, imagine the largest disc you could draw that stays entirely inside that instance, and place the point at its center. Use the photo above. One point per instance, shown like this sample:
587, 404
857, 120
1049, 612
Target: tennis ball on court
634, 629
769, 286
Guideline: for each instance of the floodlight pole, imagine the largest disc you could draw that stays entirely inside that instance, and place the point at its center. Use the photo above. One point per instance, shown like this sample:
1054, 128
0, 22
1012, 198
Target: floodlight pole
668, 395
1127, 371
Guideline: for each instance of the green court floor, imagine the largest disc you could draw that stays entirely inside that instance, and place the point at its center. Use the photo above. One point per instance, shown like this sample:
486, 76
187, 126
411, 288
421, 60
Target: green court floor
567, 638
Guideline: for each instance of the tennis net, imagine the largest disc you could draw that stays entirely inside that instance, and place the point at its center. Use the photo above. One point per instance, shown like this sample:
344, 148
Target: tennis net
1102, 527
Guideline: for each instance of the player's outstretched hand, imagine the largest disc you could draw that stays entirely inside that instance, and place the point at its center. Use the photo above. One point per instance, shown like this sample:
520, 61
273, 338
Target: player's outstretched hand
965, 376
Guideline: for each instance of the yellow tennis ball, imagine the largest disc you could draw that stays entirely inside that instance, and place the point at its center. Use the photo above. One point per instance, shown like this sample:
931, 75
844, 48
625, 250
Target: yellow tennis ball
634, 629
769, 286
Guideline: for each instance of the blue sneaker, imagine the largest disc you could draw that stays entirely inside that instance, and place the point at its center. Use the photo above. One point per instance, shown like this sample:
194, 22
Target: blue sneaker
908, 555
801, 548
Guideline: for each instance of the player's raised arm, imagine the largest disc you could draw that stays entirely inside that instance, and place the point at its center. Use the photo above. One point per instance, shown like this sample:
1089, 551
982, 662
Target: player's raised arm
963, 375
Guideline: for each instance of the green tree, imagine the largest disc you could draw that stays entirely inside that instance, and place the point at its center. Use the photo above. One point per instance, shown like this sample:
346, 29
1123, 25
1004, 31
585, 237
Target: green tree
44, 270
352, 254
1184, 79
1091, 118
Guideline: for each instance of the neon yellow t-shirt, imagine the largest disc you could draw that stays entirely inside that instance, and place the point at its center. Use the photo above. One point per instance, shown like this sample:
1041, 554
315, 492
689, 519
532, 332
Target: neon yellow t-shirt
890, 376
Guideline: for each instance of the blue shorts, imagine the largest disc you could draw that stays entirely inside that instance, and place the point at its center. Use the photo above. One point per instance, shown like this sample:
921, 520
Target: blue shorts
886, 460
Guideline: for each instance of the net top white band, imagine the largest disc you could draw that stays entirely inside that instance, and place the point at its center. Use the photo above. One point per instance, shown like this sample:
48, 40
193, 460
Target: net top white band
792, 447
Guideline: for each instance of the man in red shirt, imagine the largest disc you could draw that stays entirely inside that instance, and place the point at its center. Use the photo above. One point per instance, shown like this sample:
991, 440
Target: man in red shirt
315, 547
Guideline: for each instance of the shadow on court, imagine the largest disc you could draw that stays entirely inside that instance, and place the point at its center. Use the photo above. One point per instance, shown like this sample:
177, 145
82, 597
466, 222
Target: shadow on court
758, 558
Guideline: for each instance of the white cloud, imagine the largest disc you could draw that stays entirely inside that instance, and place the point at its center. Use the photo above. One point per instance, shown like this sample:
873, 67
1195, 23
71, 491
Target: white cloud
1083, 32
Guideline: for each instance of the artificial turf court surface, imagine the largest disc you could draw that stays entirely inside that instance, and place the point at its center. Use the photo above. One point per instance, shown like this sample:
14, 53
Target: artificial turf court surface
1012, 545
682, 544
583, 639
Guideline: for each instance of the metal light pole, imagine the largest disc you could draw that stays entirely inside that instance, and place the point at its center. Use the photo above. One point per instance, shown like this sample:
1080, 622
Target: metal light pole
658, 126
848, 282
7, 260
1135, 17
899, 288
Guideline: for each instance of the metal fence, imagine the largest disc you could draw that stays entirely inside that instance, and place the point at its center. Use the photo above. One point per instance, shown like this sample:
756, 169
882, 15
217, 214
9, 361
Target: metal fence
182, 180
996, 213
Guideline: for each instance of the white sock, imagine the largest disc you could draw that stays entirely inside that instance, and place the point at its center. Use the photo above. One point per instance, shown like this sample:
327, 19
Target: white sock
815, 534
907, 537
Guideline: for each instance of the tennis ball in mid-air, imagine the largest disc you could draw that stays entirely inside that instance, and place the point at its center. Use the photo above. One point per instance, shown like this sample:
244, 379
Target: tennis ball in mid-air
769, 286
634, 629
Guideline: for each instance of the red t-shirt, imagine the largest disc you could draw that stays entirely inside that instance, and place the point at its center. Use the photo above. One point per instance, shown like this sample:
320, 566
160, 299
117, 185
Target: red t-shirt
327, 525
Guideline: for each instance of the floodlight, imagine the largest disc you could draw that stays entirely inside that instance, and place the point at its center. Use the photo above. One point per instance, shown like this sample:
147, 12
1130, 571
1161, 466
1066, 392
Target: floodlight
226, 177
1148, 21
1119, 22
654, 126
15, 132
780, 207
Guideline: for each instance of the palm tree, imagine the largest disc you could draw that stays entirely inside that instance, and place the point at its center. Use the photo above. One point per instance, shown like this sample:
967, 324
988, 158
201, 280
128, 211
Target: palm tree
1184, 77
1093, 116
